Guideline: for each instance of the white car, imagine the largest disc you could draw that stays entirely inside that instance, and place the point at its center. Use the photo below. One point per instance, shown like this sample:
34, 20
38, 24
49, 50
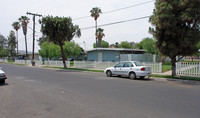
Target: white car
2, 76
132, 69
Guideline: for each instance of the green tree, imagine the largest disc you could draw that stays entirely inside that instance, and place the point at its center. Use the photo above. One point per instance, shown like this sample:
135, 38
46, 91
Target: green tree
149, 45
125, 44
95, 13
12, 44
176, 28
42, 39
16, 26
49, 50
3, 52
116, 45
59, 30
24, 22
72, 49
104, 44
3, 41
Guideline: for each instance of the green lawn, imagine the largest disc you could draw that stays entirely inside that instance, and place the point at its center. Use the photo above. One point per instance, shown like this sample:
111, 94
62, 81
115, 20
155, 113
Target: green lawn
166, 67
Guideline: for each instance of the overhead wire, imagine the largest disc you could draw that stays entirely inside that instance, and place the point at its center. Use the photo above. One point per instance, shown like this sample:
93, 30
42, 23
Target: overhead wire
113, 23
116, 9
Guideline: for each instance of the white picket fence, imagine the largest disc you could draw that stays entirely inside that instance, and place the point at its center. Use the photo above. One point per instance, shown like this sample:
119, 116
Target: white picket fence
20, 61
4, 60
56, 63
192, 69
155, 67
93, 64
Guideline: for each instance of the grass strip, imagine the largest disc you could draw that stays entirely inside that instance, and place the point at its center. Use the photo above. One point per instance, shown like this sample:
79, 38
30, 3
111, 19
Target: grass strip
177, 77
79, 69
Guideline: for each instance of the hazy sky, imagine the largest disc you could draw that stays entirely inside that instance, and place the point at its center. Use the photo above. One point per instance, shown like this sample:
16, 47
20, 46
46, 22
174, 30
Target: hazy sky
132, 31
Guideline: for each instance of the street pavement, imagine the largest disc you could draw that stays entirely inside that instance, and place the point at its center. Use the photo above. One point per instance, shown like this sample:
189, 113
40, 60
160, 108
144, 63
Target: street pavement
32, 92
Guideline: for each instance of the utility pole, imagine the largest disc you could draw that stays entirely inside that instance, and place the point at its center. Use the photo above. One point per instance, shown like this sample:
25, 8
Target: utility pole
28, 13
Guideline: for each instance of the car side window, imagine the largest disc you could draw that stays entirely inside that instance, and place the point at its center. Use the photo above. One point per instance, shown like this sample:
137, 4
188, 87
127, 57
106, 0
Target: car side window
119, 65
128, 64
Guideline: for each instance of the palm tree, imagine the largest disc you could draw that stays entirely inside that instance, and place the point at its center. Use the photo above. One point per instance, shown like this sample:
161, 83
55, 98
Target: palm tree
95, 12
99, 35
16, 26
24, 20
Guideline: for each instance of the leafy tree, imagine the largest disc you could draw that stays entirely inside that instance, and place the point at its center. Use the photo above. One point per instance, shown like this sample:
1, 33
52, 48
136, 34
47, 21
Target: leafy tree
104, 44
16, 26
116, 45
176, 27
42, 39
24, 22
3, 41
12, 43
149, 45
59, 30
72, 49
125, 44
49, 50
3, 52
95, 13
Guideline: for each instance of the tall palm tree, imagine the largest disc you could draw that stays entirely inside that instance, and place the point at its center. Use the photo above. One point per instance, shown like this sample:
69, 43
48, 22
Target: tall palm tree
24, 21
16, 26
95, 13
99, 35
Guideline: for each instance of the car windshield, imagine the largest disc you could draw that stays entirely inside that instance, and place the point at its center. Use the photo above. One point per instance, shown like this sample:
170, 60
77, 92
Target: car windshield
120, 65
138, 64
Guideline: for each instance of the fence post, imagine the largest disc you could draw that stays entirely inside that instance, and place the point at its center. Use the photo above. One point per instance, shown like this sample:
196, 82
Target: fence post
199, 69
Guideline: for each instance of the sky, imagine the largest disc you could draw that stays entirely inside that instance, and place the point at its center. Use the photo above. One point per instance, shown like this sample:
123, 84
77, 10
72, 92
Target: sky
79, 11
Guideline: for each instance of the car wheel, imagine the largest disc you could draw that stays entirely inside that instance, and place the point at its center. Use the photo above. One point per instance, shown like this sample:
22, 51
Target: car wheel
2, 81
109, 73
142, 77
132, 75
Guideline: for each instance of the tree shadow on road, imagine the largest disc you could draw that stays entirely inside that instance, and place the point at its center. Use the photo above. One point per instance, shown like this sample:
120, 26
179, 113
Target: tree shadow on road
138, 79
68, 71
5, 84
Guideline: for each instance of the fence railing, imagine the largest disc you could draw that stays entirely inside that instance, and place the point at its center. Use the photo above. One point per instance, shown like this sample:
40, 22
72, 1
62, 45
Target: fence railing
56, 63
188, 69
93, 64
4, 60
20, 61
155, 67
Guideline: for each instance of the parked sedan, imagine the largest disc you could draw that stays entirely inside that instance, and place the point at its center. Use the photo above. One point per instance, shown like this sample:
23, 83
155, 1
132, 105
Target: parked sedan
132, 69
2, 76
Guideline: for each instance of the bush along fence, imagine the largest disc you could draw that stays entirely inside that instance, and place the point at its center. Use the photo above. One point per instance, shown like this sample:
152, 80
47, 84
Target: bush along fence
192, 69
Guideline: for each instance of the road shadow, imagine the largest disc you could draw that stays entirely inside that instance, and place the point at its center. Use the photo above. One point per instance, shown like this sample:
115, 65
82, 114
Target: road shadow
68, 71
5, 84
138, 79
185, 82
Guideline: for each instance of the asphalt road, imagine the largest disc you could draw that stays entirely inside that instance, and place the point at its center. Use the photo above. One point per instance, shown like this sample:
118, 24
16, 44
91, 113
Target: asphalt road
47, 93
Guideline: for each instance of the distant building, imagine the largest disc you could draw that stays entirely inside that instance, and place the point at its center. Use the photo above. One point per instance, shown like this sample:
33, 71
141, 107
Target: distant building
22, 55
110, 54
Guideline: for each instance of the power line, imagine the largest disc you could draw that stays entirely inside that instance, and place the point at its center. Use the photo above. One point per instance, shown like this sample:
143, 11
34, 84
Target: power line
113, 23
117, 9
